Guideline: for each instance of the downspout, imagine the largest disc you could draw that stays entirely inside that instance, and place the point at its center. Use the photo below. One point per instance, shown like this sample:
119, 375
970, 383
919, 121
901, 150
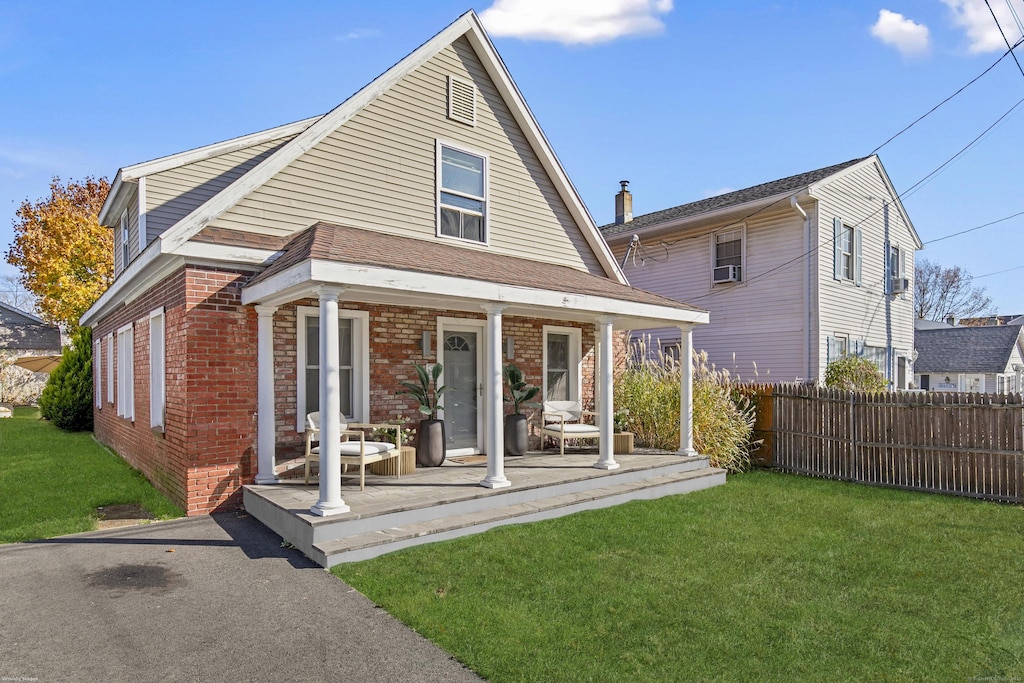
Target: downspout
807, 290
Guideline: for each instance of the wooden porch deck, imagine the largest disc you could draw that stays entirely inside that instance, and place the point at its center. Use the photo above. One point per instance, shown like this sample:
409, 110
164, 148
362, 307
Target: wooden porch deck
439, 503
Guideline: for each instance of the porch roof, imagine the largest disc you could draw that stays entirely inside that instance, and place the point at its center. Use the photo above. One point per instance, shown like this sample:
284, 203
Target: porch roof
396, 269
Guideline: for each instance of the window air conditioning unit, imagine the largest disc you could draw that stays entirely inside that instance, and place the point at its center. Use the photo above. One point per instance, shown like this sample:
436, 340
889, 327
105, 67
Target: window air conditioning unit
727, 274
900, 285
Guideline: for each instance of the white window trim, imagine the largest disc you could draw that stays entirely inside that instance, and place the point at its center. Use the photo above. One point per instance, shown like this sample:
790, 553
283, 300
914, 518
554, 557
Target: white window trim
157, 368
110, 368
360, 362
742, 227
575, 360
126, 372
438, 144
125, 240
97, 366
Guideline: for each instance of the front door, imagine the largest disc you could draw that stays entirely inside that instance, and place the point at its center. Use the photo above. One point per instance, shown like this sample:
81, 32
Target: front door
460, 360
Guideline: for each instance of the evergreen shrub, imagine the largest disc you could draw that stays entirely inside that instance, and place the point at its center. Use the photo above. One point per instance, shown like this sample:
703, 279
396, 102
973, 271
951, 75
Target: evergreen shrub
66, 400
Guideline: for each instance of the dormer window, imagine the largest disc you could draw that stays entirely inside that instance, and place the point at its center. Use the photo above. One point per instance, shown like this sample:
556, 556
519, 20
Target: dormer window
461, 194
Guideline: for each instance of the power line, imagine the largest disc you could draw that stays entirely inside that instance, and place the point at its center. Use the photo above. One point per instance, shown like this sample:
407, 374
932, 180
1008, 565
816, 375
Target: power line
978, 227
871, 215
962, 88
1005, 39
998, 272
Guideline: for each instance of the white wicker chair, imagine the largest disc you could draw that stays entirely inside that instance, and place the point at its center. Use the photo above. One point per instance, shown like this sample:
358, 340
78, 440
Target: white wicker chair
355, 449
563, 420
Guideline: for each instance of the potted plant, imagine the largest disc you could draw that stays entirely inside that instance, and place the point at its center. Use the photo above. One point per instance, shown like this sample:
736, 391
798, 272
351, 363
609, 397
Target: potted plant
430, 441
517, 436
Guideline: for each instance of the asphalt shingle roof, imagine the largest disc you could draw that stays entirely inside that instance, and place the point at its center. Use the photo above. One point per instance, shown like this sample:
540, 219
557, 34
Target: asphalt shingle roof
965, 349
722, 201
329, 242
20, 331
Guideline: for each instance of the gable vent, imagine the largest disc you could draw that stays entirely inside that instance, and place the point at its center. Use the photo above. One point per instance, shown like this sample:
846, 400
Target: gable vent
461, 101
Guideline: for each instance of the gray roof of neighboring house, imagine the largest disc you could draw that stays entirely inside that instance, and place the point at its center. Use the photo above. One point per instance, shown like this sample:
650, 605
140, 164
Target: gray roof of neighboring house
922, 324
965, 349
722, 201
23, 331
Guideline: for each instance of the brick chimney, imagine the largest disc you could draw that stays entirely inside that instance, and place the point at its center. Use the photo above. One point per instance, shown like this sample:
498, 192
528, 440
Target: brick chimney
623, 204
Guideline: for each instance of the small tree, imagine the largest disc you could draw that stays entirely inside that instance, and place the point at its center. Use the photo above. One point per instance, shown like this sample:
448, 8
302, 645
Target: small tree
941, 292
65, 256
67, 399
854, 373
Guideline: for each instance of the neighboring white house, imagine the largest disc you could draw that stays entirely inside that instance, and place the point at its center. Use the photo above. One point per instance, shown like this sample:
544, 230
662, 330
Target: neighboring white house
795, 272
987, 359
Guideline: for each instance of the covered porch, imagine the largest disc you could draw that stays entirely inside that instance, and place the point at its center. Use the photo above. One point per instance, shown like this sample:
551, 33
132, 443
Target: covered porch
384, 282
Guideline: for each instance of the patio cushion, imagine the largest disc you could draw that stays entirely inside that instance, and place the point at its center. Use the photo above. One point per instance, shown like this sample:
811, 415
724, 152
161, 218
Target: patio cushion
352, 448
372, 447
575, 430
567, 410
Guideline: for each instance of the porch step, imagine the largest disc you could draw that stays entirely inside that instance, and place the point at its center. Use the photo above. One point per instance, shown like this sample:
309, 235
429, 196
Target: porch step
371, 544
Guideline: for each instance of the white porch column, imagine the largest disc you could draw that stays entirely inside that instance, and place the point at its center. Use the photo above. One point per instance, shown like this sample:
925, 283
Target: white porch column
266, 437
494, 408
330, 502
686, 392
606, 404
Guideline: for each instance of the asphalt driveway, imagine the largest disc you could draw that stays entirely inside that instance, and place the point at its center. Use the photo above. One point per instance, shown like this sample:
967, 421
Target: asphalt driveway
228, 604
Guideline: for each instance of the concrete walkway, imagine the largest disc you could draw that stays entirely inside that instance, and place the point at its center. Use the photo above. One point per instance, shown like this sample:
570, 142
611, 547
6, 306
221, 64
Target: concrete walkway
228, 604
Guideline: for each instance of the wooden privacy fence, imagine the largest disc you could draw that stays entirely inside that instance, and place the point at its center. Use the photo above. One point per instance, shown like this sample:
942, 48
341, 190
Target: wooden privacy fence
960, 444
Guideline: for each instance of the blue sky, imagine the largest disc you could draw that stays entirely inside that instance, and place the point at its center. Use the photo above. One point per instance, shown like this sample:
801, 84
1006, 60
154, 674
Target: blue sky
695, 98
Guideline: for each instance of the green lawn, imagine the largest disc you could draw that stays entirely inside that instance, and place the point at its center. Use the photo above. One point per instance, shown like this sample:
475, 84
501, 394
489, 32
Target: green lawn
51, 482
771, 577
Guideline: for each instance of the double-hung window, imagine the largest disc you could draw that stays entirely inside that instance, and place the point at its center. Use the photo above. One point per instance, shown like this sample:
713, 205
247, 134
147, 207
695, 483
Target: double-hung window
353, 361
126, 372
562, 354
728, 256
846, 241
125, 247
461, 194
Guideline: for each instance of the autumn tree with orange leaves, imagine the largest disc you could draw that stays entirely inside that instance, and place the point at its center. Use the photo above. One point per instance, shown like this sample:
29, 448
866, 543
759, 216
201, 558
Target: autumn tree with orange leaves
65, 257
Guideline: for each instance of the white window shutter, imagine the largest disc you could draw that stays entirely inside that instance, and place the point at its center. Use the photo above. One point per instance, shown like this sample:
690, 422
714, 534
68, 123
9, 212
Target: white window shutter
858, 260
837, 248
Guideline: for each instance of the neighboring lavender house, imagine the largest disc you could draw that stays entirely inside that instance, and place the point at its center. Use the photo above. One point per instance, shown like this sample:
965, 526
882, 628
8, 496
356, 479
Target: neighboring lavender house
796, 272
987, 359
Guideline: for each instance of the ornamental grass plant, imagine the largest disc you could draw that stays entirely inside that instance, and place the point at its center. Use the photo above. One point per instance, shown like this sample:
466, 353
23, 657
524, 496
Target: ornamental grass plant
723, 419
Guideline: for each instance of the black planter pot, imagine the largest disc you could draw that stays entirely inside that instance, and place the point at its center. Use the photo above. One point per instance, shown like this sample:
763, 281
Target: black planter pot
430, 443
517, 436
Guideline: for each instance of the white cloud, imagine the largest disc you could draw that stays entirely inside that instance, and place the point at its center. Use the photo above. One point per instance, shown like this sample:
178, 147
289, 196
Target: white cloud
722, 190
975, 18
575, 21
358, 33
907, 36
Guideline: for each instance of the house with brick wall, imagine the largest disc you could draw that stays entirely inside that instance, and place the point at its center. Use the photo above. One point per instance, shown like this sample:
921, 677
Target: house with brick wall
426, 219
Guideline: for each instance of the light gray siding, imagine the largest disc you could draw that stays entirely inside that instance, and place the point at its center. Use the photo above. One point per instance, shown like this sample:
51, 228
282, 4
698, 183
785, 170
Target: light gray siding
757, 329
865, 313
378, 172
173, 194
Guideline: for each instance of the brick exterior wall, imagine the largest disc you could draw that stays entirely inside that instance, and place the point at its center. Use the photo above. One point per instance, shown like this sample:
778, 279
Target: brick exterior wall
207, 449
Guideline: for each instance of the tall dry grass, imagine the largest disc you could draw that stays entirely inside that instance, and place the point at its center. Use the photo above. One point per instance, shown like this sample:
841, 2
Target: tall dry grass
723, 419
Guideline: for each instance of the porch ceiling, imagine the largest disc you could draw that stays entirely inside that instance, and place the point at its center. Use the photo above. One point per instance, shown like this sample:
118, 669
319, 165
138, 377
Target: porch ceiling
377, 268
